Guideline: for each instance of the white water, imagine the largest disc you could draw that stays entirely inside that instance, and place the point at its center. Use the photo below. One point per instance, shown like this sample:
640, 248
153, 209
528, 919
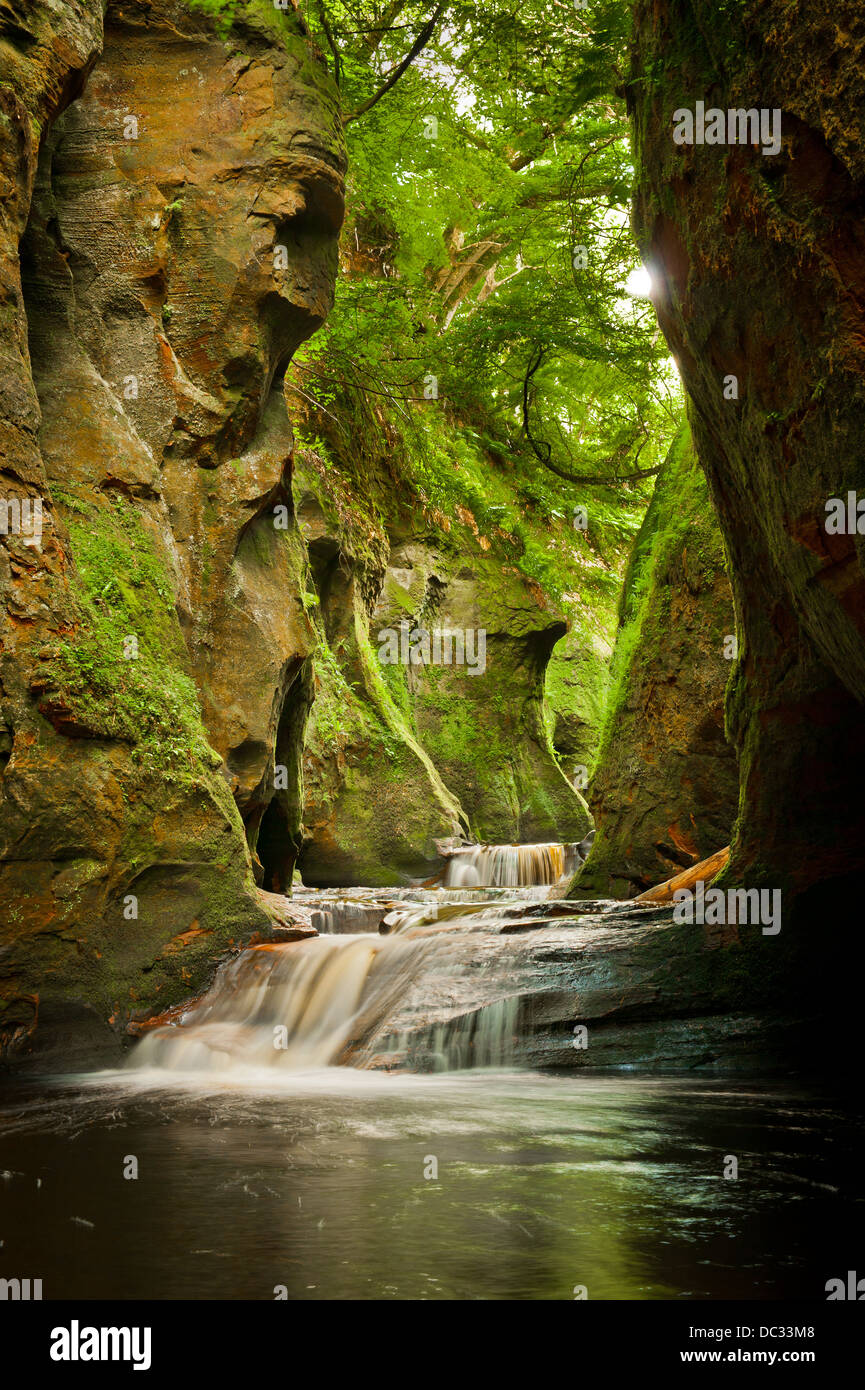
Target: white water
486, 1038
334, 1000
508, 866
327, 1002
296, 1007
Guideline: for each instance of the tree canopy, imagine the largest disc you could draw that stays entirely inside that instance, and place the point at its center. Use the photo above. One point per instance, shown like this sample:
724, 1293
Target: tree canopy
488, 260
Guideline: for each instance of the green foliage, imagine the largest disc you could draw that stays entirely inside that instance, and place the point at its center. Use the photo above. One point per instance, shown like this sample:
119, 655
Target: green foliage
123, 592
679, 495
335, 715
459, 250
473, 370
225, 13
222, 11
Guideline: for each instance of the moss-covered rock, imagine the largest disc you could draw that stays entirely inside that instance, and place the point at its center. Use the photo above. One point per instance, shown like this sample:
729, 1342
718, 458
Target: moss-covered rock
576, 689
156, 646
483, 721
400, 754
664, 794
758, 259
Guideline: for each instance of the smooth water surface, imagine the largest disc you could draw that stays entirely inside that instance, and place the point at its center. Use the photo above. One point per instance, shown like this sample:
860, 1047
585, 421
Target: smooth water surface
316, 1181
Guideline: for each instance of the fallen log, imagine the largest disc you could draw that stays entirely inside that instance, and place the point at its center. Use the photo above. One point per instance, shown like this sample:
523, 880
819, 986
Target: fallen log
707, 869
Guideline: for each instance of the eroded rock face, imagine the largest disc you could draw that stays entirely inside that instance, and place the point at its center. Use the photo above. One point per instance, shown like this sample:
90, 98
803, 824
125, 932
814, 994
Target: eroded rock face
483, 722
181, 243
374, 803
613, 986
665, 791
761, 260
402, 756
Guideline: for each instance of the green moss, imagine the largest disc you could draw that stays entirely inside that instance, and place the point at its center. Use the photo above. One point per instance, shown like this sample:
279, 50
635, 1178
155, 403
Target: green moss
665, 783
370, 471
123, 673
336, 717
679, 497
226, 13
576, 694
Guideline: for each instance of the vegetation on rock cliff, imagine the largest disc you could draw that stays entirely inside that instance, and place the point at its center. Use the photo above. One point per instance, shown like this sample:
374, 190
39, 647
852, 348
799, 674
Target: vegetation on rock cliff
665, 792
123, 671
489, 389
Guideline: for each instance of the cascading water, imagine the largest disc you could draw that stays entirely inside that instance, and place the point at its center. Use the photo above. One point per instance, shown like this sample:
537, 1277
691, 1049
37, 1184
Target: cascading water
486, 1038
362, 999
346, 916
509, 866
307, 1004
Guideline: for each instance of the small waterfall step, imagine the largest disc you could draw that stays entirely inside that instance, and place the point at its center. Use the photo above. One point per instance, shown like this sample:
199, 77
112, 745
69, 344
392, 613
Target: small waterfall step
513, 866
407, 976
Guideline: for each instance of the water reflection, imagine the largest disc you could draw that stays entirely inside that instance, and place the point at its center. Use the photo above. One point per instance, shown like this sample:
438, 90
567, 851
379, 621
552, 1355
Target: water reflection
315, 1180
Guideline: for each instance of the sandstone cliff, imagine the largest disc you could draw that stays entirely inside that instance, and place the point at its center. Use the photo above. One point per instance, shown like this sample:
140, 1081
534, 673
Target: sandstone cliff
173, 187
399, 756
155, 643
760, 259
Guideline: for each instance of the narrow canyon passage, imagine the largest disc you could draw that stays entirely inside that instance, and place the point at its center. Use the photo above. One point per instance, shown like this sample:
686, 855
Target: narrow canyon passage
431, 654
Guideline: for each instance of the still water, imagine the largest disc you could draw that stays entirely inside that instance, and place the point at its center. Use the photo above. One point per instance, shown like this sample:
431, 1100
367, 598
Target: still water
345, 1184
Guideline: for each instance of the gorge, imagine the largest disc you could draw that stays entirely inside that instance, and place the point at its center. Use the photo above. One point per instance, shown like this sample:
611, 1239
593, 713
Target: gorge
410, 599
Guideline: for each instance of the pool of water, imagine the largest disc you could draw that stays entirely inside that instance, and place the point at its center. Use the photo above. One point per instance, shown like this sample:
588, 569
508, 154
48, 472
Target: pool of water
342, 1184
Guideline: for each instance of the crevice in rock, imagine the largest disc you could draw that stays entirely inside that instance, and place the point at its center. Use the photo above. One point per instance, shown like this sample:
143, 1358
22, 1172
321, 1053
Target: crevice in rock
277, 838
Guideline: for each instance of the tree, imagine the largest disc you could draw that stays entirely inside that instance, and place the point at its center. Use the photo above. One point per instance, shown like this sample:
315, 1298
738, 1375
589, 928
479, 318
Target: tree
487, 242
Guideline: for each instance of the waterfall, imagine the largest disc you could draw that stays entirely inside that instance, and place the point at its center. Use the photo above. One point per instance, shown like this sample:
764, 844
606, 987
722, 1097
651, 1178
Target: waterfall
461, 914
508, 866
354, 995
485, 1038
346, 916
298, 1006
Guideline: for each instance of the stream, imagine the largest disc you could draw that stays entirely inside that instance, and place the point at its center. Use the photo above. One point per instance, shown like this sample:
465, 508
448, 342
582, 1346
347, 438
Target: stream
353, 1117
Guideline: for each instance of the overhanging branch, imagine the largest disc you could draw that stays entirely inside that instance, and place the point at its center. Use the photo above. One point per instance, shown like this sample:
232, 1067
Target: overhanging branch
419, 44
543, 450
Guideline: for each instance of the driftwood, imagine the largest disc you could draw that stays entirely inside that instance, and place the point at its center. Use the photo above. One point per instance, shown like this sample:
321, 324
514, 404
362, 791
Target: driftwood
707, 869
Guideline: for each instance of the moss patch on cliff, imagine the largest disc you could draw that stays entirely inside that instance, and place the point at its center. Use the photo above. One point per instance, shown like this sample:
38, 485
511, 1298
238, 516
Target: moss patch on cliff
122, 673
664, 793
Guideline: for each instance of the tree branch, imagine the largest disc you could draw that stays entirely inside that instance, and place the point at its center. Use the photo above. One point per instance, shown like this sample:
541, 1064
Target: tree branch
534, 364
419, 44
543, 451
601, 477
328, 34
373, 36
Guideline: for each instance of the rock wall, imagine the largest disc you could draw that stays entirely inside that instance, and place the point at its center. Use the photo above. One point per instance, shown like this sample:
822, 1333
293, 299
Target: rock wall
485, 727
401, 756
155, 646
374, 802
173, 178
576, 689
665, 791
760, 264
